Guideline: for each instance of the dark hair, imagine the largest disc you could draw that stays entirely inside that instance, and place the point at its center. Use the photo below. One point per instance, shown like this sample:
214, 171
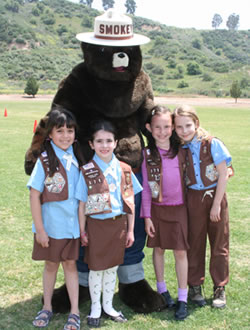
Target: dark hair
174, 141
101, 124
59, 117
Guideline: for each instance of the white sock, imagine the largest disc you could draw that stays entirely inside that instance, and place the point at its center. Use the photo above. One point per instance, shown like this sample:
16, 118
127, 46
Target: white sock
109, 279
95, 289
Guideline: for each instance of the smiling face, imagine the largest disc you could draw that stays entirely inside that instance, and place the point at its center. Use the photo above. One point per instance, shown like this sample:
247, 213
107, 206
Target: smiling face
103, 144
185, 128
63, 137
161, 128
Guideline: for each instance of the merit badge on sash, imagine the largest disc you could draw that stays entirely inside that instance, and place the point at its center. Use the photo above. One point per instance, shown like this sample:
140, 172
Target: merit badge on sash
112, 187
155, 188
54, 184
97, 203
211, 172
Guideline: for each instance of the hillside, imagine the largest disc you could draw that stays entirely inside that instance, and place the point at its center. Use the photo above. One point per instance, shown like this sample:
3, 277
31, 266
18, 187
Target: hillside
38, 39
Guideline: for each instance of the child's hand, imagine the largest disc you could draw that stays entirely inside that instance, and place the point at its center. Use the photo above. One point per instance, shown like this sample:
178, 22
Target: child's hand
43, 239
130, 239
149, 227
84, 239
215, 213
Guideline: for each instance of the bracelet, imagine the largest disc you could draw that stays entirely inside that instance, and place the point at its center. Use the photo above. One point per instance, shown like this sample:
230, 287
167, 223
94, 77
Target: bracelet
83, 234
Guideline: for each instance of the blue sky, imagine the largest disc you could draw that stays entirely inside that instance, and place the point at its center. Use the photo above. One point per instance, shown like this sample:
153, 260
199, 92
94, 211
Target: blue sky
188, 13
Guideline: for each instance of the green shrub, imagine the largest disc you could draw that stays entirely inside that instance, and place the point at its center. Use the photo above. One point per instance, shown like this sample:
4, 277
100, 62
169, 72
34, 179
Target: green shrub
196, 44
35, 11
149, 65
193, 69
20, 41
207, 77
158, 70
220, 67
172, 64
33, 21
244, 83
182, 84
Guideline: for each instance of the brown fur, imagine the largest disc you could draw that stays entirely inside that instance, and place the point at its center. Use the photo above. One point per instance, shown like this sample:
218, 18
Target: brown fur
94, 90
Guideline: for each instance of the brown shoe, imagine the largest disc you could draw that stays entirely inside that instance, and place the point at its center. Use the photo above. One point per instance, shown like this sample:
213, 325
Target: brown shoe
219, 300
195, 295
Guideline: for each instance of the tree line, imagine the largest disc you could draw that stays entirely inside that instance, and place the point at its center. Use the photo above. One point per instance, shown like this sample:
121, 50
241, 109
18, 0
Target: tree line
232, 21
129, 4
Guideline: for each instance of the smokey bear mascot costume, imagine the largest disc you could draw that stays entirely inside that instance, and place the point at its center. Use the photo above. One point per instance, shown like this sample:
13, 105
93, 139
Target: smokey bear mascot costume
109, 84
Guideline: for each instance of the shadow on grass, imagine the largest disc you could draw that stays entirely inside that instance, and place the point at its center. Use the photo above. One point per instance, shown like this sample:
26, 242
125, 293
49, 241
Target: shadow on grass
20, 316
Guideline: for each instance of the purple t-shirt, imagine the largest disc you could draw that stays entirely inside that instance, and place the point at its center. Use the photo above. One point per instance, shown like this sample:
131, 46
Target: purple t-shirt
171, 185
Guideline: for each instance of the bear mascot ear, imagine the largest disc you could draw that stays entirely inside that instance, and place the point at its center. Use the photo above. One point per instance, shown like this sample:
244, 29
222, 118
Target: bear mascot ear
109, 84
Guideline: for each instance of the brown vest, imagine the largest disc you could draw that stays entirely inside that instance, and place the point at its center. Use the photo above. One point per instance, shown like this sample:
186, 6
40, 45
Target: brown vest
98, 189
154, 171
56, 187
209, 174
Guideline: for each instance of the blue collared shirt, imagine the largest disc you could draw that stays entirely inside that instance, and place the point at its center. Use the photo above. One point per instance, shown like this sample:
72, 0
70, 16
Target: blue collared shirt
112, 172
60, 219
219, 154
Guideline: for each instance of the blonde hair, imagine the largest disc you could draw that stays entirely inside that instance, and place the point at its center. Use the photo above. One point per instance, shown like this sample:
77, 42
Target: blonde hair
187, 111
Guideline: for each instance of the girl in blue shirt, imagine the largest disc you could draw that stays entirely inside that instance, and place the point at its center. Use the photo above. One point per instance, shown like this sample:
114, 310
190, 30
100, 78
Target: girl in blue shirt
54, 209
106, 229
208, 162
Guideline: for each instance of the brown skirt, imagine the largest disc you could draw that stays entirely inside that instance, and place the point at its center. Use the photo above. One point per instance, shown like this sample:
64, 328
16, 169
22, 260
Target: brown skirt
107, 241
58, 250
171, 227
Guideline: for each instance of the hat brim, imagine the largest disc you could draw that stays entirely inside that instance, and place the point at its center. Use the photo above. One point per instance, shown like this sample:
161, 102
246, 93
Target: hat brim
90, 38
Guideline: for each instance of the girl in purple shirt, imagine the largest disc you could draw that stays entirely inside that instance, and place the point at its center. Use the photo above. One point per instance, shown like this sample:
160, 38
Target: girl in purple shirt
163, 206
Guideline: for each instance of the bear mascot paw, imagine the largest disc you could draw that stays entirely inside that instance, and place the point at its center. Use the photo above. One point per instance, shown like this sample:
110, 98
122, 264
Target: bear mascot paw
109, 84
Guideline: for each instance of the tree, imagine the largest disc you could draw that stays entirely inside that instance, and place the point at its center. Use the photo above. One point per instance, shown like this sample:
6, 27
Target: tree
193, 69
233, 22
235, 90
31, 87
217, 20
86, 2
12, 6
196, 43
131, 6
108, 4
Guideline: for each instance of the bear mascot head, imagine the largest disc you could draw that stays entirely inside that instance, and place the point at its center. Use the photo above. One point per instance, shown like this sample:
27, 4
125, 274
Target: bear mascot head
110, 84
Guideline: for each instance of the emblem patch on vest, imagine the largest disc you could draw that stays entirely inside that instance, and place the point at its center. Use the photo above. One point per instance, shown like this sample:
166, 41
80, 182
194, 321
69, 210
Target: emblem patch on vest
55, 184
97, 203
155, 188
211, 172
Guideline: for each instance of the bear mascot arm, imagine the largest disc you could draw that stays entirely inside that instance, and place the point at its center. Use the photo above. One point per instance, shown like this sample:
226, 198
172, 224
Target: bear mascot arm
109, 84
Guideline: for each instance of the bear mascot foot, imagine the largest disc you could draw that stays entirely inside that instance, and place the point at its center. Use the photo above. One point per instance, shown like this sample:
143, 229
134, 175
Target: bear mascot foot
60, 299
140, 297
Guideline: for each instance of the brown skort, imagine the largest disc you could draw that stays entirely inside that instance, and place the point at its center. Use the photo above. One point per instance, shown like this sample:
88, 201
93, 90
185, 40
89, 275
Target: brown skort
58, 250
171, 227
107, 241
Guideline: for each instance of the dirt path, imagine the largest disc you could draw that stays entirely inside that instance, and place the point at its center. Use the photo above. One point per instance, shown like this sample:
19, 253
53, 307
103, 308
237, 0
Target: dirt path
204, 101
171, 100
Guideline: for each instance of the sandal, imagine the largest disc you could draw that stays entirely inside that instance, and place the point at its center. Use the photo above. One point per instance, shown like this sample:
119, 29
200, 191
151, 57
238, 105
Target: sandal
44, 316
73, 321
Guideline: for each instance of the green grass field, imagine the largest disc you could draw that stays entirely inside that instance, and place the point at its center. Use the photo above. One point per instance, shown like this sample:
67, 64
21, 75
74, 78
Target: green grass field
21, 278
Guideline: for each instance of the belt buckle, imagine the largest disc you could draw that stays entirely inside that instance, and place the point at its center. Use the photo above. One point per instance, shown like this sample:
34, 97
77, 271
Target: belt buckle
114, 217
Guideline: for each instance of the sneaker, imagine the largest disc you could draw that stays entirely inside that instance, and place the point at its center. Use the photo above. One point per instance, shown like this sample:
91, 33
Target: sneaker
168, 299
219, 300
181, 311
195, 295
